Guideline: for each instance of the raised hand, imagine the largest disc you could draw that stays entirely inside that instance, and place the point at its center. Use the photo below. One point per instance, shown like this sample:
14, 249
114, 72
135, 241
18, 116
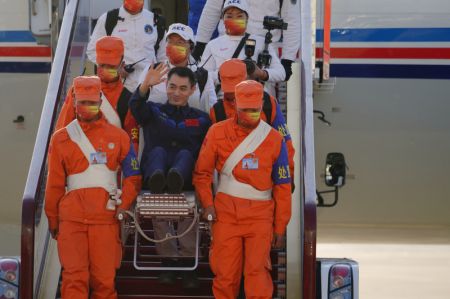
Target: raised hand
154, 76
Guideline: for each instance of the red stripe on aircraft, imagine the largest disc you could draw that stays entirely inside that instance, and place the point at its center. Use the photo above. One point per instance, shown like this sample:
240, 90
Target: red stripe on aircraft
388, 53
25, 51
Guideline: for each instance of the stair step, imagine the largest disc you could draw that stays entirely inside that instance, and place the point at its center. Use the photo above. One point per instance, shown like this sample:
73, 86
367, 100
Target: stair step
151, 286
162, 297
127, 269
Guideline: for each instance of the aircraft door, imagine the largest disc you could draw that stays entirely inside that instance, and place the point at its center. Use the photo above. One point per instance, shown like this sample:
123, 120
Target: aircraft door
40, 20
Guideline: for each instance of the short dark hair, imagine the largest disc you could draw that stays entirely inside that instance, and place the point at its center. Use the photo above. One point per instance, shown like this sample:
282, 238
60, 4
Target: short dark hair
183, 72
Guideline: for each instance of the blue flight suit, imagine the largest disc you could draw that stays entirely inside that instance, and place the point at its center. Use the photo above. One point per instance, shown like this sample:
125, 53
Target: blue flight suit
173, 135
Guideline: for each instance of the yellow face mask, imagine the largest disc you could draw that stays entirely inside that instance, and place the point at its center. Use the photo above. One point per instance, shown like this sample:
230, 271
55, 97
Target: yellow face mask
87, 112
235, 26
176, 54
249, 119
107, 74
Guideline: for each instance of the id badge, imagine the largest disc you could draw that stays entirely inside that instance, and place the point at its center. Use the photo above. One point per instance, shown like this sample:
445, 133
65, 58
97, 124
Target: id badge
250, 163
98, 158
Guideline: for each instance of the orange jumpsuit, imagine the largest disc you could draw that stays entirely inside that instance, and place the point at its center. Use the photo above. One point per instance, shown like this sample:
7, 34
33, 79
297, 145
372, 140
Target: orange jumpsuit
112, 92
278, 122
88, 240
244, 228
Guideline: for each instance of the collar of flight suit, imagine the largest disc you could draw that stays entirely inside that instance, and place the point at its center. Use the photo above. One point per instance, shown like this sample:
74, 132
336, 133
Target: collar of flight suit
86, 126
108, 87
172, 109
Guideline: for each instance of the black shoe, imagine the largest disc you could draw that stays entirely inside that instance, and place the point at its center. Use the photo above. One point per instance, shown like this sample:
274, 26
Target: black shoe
175, 181
167, 277
190, 280
156, 182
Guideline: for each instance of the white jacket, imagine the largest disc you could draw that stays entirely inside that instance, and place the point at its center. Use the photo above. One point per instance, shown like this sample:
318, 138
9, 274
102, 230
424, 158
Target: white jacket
204, 102
222, 48
257, 10
139, 35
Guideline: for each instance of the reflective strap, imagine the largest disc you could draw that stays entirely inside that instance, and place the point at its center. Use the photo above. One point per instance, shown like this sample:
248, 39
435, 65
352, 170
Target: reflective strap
110, 113
97, 175
247, 146
77, 135
228, 183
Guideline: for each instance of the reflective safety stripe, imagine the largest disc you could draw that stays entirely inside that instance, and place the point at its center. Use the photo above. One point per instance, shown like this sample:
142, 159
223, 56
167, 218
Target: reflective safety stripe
96, 175
110, 113
228, 183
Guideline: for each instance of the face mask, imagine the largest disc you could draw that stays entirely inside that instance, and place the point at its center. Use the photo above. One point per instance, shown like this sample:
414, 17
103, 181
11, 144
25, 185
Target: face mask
87, 112
107, 74
133, 6
176, 54
248, 119
235, 26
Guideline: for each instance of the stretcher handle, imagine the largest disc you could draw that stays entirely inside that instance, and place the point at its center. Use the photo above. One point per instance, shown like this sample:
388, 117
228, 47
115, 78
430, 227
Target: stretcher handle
168, 235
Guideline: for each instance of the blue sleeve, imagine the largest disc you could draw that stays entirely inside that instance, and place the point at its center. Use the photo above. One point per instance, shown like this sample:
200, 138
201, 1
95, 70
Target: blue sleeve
279, 124
280, 169
130, 165
142, 110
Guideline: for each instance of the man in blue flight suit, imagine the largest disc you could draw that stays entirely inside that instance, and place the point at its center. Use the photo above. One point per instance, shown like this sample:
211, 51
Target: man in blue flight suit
173, 135
173, 132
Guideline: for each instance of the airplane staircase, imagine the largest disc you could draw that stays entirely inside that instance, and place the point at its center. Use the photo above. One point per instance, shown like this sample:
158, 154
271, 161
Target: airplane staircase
40, 269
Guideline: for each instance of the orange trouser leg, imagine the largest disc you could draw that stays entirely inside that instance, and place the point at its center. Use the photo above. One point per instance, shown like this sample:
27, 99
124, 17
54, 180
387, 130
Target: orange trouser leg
257, 265
74, 258
226, 260
105, 254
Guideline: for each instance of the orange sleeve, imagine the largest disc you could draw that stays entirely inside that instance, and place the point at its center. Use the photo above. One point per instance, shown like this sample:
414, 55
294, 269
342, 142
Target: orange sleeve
56, 183
212, 115
67, 113
132, 181
204, 170
282, 197
281, 190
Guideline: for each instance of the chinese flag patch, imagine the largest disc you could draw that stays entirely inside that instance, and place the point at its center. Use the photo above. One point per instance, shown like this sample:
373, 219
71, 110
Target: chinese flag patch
193, 122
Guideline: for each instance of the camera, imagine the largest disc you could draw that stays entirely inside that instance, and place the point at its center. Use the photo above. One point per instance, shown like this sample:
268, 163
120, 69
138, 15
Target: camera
271, 23
249, 52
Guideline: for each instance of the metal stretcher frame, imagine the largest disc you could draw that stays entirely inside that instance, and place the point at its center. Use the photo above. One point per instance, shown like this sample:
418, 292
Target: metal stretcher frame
138, 231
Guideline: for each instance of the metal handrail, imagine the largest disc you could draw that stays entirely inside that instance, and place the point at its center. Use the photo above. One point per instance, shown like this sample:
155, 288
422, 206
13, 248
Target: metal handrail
36, 173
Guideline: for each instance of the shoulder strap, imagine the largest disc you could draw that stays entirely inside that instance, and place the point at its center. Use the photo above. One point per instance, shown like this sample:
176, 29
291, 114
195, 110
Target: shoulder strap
267, 107
160, 23
219, 111
241, 45
77, 135
122, 105
247, 146
111, 20
202, 77
110, 112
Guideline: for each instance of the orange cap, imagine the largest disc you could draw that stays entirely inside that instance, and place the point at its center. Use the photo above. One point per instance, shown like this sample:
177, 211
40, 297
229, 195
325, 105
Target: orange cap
109, 50
87, 88
249, 94
232, 72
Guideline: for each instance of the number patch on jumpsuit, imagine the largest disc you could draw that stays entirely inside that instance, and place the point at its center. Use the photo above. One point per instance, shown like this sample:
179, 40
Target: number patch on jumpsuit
250, 163
98, 158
